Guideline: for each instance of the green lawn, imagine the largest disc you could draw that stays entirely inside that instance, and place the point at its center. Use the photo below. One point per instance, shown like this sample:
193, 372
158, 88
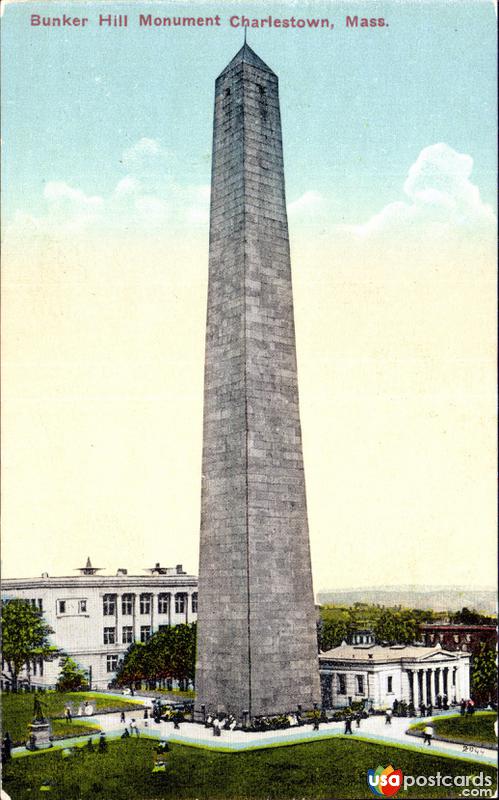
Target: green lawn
62, 729
17, 709
316, 771
477, 728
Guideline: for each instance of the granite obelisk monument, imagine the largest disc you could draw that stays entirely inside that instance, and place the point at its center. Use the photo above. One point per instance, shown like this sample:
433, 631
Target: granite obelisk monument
257, 643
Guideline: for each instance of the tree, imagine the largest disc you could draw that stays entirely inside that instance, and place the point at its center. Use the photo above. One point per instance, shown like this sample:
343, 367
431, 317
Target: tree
333, 633
71, 677
133, 668
396, 626
168, 654
484, 674
471, 617
25, 637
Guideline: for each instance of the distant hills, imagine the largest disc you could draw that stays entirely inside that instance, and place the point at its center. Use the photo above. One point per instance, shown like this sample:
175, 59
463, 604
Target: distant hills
437, 598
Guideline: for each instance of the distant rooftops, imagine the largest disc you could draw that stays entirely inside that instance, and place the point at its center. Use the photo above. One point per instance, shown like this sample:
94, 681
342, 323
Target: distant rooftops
159, 570
88, 569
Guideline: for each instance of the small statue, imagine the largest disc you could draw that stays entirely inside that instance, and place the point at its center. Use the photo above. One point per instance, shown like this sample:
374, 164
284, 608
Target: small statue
38, 715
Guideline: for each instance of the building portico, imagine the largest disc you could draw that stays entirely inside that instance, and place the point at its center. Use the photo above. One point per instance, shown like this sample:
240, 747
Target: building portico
379, 675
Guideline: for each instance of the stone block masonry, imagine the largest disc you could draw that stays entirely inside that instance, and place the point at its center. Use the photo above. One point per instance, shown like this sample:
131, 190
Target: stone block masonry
257, 644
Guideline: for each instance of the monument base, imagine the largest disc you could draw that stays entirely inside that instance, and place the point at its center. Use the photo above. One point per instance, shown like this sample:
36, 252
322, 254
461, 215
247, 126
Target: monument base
39, 736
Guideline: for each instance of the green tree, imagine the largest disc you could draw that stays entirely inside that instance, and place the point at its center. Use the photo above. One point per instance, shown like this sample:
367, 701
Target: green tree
333, 632
71, 677
471, 617
133, 668
184, 652
25, 637
484, 674
397, 626
168, 654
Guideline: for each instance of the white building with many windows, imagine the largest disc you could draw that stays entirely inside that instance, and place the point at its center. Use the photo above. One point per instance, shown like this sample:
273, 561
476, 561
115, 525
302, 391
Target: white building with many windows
379, 675
96, 617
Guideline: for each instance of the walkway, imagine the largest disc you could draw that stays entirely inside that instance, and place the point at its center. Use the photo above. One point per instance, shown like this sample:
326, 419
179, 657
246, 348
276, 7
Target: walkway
373, 729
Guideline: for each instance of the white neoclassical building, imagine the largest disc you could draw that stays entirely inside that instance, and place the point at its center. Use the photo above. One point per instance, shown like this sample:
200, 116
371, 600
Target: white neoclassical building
379, 675
96, 617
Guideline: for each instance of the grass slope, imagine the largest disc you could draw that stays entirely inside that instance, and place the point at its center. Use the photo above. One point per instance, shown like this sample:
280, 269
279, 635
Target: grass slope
17, 709
318, 771
477, 728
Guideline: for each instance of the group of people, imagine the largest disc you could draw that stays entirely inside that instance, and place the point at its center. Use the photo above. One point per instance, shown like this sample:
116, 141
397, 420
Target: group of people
134, 729
467, 707
84, 710
220, 723
67, 752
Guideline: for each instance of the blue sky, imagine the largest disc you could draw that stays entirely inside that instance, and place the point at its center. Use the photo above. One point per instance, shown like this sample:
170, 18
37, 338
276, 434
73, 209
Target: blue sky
358, 106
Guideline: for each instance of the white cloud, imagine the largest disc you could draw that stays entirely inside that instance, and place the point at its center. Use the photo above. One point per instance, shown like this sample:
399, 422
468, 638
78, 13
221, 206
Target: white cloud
145, 154
441, 195
59, 191
127, 186
308, 203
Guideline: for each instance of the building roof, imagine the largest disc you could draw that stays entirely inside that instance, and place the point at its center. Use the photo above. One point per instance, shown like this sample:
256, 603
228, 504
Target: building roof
247, 56
378, 654
458, 626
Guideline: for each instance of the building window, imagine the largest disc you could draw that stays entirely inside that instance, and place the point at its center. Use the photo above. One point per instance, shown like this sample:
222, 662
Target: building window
109, 605
40, 604
145, 633
163, 603
34, 667
342, 684
360, 684
163, 628
454, 677
111, 663
126, 604
180, 603
145, 603
127, 634
109, 635
62, 606
194, 603
82, 606
389, 684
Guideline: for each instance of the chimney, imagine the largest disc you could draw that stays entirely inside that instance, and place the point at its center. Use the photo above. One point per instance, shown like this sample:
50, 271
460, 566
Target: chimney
179, 569
122, 571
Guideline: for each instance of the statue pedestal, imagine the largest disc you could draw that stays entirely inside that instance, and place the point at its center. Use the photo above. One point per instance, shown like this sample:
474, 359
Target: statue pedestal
39, 736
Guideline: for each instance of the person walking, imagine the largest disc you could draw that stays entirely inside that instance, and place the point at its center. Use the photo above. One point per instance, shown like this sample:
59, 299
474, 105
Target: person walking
358, 718
388, 716
67, 714
427, 735
6, 748
122, 717
348, 725
463, 707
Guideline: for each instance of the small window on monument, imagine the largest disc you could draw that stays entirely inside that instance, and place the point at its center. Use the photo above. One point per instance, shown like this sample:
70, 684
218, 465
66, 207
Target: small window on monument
227, 92
262, 89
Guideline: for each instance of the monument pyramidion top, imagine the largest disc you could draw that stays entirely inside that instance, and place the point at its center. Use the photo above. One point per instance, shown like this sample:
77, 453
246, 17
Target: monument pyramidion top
247, 56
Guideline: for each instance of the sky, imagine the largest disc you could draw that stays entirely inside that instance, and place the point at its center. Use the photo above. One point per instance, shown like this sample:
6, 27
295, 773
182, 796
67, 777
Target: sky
389, 149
